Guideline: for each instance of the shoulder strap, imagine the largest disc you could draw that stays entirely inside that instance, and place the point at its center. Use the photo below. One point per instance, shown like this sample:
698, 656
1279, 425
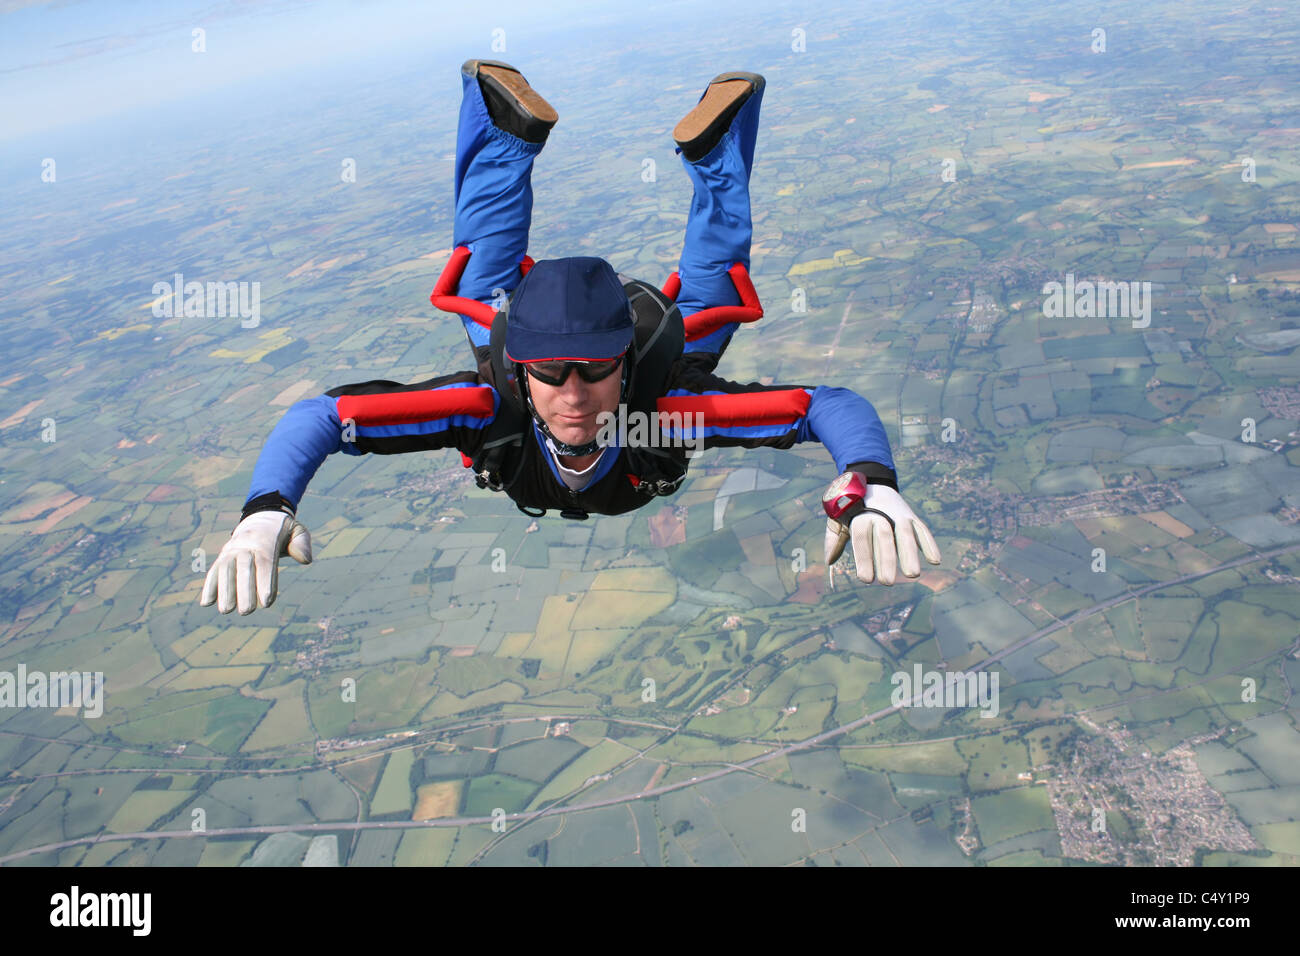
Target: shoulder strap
511, 425
660, 337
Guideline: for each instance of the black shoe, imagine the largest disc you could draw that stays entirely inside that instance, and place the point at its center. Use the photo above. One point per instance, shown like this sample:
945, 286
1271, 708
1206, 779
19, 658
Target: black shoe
513, 105
702, 128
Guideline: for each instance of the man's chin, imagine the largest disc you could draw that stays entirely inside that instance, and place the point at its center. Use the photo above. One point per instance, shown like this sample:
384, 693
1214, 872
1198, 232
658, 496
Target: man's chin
572, 434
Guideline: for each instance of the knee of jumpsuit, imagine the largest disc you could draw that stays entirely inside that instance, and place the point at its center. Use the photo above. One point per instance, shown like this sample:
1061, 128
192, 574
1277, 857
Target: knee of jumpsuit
494, 204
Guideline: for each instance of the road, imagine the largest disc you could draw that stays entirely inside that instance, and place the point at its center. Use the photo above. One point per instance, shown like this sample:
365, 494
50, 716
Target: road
517, 818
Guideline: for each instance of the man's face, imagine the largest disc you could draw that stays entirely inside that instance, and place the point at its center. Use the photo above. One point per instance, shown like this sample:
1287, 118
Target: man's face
570, 410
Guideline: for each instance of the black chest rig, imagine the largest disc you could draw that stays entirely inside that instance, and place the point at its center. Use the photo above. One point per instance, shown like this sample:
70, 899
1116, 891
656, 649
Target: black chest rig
511, 461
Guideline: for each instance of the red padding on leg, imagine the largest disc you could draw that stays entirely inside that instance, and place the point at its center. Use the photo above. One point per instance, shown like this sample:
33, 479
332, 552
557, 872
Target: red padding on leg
444, 290
708, 321
673, 286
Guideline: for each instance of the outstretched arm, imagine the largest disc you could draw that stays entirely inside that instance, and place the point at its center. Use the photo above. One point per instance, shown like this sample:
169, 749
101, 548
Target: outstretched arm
780, 416
885, 531
380, 417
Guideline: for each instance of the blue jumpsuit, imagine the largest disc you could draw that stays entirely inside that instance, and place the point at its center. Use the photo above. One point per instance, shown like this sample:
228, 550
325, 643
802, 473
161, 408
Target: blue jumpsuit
494, 201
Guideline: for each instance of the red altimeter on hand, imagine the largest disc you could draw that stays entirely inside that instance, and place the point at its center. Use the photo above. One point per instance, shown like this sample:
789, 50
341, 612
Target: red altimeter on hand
843, 500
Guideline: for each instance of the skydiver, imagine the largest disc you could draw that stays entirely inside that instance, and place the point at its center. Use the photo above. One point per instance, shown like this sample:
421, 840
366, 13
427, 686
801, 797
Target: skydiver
573, 342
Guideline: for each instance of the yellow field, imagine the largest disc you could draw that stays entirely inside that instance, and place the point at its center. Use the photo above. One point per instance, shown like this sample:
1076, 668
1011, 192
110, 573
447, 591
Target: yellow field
258, 648
634, 579
1167, 523
623, 597
434, 800
394, 791
1279, 837
294, 392
447, 703
144, 807
425, 847
1067, 655
343, 543
216, 677
1162, 164
612, 609
205, 472
172, 598
936, 758
110, 582
362, 772
843, 258
225, 852
109, 334
271, 340
101, 853
598, 759
514, 645
590, 646
182, 646
217, 650
551, 642
285, 723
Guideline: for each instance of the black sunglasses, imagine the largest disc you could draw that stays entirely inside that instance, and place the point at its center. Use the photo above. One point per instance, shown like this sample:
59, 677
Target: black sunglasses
557, 373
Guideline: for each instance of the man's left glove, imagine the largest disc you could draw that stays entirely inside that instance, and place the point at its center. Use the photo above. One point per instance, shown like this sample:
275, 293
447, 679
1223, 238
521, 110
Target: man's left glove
885, 531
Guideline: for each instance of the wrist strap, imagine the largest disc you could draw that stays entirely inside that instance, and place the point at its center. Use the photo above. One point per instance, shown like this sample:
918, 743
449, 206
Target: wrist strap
875, 473
271, 501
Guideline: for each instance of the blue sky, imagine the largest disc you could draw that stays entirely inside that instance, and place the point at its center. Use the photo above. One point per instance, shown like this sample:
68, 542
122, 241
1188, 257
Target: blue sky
68, 62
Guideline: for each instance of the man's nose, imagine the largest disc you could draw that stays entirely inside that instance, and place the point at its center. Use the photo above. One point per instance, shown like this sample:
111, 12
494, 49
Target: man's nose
573, 386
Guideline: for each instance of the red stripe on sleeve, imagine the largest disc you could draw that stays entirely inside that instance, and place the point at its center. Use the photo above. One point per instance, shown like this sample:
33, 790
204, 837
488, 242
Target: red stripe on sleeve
783, 407
402, 408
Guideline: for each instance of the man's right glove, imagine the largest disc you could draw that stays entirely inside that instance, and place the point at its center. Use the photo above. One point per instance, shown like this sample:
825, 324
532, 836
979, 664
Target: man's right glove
245, 571
884, 529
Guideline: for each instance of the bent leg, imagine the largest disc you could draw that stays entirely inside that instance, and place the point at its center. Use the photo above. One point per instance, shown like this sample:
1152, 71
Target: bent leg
494, 203
718, 228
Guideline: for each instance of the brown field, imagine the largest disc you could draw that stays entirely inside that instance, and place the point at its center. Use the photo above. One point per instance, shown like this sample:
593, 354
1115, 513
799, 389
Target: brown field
434, 800
294, 392
1163, 163
1167, 522
22, 413
666, 529
758, 550
59, 514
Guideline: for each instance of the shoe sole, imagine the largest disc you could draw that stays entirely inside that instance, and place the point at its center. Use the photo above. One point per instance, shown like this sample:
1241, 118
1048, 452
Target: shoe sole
722, 94
506, 79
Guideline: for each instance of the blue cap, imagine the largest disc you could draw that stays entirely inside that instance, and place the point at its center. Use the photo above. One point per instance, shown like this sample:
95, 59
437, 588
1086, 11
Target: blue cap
572, 308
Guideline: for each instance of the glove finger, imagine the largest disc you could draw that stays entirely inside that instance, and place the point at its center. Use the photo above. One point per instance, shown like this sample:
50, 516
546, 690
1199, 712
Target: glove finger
909, 559
884, 556
300, 545
861, 529
209, 595
225, 583
836, 537
245, 581
928, 544
265, 567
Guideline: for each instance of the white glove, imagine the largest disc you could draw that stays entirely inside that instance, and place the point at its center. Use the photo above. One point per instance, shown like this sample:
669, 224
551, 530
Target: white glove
884, 538
245, 571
